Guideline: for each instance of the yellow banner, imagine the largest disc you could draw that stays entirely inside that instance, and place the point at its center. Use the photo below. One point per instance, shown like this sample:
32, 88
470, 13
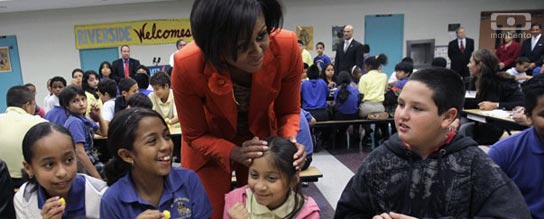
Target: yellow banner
149, 32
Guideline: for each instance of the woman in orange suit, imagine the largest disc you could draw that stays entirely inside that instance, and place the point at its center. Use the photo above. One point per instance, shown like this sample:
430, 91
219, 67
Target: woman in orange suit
236, 84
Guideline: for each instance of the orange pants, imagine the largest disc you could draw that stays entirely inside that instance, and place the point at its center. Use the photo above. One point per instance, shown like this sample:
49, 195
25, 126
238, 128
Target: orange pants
217, 183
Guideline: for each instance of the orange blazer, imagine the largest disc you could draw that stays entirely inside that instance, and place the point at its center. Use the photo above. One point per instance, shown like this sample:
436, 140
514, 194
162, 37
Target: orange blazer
207, 111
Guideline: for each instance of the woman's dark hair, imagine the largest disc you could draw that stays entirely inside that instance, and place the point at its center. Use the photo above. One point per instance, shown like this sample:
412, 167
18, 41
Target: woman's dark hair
374, 62
68, 94
222, 28
281, 155
488, 81
344, 80
85, 84
76, 70
140, 100
36, 133
102, 66
121, 135
313, 72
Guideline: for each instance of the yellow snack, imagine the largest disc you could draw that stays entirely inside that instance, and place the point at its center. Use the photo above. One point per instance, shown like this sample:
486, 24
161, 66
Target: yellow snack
62, 201
166, 214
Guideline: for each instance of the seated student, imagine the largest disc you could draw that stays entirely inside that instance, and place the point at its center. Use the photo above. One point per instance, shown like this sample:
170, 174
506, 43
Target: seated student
127, 87
143, 82
55, 190
82, 129
139, 100
77, 77
327, 74
439, 62
6, 192
162, 97
57, 84
372, 86
519, 71
393, 77
346, 98
305, 72
14, 123
105, 71
321, 59
425, 171
90, 86
273, 189
142, 179
520, 155
141, 69
356, 74
304, 136
314, 94
40, 111
403, 70
107, 91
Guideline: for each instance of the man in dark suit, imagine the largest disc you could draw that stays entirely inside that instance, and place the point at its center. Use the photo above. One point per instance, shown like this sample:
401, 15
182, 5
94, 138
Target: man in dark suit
459, 52
533, 48
119, 66
348, 52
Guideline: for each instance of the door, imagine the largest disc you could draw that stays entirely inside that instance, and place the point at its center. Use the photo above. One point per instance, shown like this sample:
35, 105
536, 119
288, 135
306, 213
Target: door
91, 58
10, 67
385, 34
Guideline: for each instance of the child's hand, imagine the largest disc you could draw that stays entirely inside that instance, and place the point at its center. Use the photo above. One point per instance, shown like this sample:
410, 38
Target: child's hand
52, 208
151, 214
392, 215
95, 112
238, 211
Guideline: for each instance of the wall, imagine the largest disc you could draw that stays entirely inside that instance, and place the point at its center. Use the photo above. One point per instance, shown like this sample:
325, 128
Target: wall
47, 47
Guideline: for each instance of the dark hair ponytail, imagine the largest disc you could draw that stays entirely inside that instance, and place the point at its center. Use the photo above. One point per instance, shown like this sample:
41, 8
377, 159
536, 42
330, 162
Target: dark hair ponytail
121, 135
374, 62
281, 154
344, 79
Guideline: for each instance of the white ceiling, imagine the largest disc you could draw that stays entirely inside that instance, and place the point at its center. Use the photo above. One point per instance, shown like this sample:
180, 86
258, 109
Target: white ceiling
7, 6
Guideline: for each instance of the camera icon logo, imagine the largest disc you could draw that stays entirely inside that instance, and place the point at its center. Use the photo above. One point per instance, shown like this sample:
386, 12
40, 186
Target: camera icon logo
512, 21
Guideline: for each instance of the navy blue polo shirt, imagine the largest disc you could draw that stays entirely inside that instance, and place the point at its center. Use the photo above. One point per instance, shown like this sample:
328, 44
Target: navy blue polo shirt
75, 202
521, 157
183, 195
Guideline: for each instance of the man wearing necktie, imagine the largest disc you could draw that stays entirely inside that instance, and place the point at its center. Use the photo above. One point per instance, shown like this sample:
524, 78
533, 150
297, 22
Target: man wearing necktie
533, 48
349, 52
124, 67
459, 52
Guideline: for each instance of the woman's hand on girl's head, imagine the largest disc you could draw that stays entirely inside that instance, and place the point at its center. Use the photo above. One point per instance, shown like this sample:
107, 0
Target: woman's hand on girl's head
300, 155
238, 211
249, 150
151, 214
52, 208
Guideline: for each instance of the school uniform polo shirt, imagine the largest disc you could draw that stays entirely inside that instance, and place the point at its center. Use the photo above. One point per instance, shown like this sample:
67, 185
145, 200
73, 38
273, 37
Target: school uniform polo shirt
183, 195
372, 86
75, 203
521, 157
351, 104
166, 109
57, 115
81, 129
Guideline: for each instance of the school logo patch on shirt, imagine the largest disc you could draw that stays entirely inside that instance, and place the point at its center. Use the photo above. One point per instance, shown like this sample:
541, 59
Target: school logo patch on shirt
181, 205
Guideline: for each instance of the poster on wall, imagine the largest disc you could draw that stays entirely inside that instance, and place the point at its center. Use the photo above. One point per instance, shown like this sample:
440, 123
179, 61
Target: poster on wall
5, 62
306, 34
148, 32
337, 36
